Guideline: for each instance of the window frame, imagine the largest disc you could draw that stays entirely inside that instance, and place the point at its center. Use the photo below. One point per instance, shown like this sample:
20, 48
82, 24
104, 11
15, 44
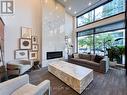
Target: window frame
93, 9
94, 36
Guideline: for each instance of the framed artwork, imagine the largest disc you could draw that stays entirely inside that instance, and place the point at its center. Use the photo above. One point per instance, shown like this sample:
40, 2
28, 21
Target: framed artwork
25, 43
21, 54
33, 54
34, 40
26, 32
35, 47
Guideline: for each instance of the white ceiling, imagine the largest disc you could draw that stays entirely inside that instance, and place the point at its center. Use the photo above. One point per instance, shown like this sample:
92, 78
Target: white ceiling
79, 6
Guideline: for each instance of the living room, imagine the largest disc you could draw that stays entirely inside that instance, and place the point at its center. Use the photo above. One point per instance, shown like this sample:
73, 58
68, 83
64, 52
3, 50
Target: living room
63, 47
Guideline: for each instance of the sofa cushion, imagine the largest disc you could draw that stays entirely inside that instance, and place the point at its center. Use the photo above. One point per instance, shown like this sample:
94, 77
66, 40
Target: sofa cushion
88, 62
76, 55
98, 58
92, 57
85, 61
27, 89
84, 56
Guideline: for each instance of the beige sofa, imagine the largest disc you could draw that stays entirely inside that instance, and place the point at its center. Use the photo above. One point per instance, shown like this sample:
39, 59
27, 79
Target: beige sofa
21, 86
88, 60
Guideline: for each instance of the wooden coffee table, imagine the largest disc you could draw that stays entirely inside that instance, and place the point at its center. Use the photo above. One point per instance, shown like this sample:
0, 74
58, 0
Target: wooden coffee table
77, 77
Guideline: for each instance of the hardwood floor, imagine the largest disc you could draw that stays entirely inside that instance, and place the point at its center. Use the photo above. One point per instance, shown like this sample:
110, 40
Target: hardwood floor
112, 83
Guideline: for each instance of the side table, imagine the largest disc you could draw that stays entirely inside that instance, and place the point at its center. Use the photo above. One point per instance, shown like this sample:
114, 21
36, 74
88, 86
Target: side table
3, 74
36, 64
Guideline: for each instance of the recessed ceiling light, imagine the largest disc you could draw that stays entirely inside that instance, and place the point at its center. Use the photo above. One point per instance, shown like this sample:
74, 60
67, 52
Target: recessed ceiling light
75, 12
69, 8
89, 4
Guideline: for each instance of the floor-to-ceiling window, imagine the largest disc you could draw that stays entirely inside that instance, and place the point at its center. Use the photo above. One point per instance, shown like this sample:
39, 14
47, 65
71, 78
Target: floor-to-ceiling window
102, 41
85, 44
85, 41
107, 39
126, 35
98, 40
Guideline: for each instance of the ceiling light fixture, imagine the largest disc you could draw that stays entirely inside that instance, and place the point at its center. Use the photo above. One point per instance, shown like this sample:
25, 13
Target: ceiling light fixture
89, 4
69, 8
75, 12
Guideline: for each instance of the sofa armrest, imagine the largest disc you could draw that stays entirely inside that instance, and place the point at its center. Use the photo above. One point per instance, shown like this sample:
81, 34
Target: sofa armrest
104, 65
8, 87
43, 87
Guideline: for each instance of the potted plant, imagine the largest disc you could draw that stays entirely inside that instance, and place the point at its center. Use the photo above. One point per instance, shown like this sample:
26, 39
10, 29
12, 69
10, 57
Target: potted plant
115, 53
121, 53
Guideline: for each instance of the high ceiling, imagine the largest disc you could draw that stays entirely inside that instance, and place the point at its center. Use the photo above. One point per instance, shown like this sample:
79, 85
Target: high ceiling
77, 7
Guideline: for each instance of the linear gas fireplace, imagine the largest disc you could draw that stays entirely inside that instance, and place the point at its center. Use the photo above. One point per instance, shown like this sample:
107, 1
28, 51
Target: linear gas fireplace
55, 54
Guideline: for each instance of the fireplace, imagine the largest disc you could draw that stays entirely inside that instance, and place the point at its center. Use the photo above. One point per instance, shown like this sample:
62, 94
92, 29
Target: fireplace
55, 54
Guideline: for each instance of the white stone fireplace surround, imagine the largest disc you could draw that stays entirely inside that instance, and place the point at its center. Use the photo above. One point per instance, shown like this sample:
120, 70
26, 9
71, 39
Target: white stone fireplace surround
56, 24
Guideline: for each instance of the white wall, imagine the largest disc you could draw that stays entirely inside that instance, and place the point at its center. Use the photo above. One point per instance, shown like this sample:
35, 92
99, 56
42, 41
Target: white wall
51, 24
28, 14
56, 24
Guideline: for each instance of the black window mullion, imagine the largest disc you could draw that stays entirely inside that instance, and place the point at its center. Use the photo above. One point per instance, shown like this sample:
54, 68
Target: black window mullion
126, 35
94, 40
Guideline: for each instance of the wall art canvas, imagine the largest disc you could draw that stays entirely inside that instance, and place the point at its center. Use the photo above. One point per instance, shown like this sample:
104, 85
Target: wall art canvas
34, 40
33, 54
25, 43
26, 32
35, 47
21, 54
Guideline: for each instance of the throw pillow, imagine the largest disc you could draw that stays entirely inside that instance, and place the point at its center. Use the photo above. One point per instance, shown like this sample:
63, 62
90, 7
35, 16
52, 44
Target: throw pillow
98, 58
72, 55
76, 55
